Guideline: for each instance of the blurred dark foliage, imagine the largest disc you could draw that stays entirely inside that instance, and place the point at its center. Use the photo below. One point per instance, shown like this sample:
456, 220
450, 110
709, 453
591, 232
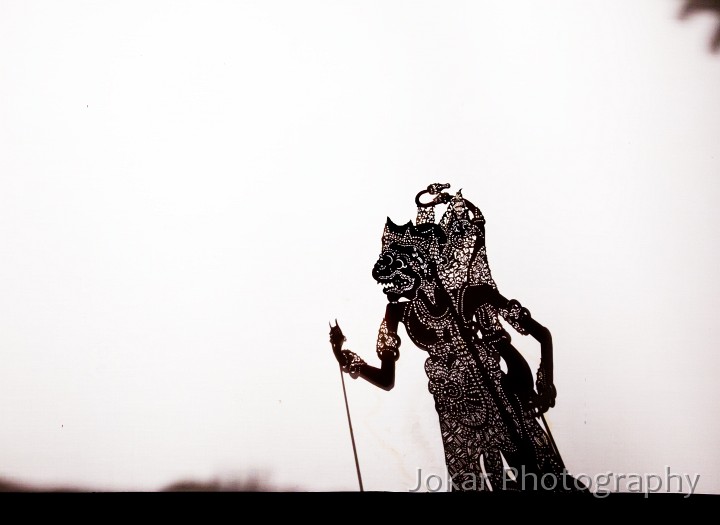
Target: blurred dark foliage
14, 486
691, 7
252, 483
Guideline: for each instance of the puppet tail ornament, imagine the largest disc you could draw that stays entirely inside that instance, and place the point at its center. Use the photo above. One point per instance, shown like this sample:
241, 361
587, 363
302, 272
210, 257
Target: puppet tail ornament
352, 435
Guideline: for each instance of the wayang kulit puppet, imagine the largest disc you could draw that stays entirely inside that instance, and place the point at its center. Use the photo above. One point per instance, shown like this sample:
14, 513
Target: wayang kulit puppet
438, 284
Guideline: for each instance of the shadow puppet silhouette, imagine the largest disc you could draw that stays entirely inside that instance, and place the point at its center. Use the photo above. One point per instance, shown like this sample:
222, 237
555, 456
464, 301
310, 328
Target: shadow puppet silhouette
438, 284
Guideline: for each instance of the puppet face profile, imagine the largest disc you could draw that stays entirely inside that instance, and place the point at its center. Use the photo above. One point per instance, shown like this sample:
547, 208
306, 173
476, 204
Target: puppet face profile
399, 270
407, 256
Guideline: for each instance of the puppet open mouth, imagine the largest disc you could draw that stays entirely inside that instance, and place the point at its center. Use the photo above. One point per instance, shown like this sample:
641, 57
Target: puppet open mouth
396, 283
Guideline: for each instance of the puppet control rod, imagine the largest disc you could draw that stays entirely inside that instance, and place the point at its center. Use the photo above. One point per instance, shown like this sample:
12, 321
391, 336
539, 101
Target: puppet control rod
347, 410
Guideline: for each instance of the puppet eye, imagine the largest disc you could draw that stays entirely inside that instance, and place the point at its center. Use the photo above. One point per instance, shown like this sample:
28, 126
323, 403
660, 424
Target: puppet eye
399, 264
